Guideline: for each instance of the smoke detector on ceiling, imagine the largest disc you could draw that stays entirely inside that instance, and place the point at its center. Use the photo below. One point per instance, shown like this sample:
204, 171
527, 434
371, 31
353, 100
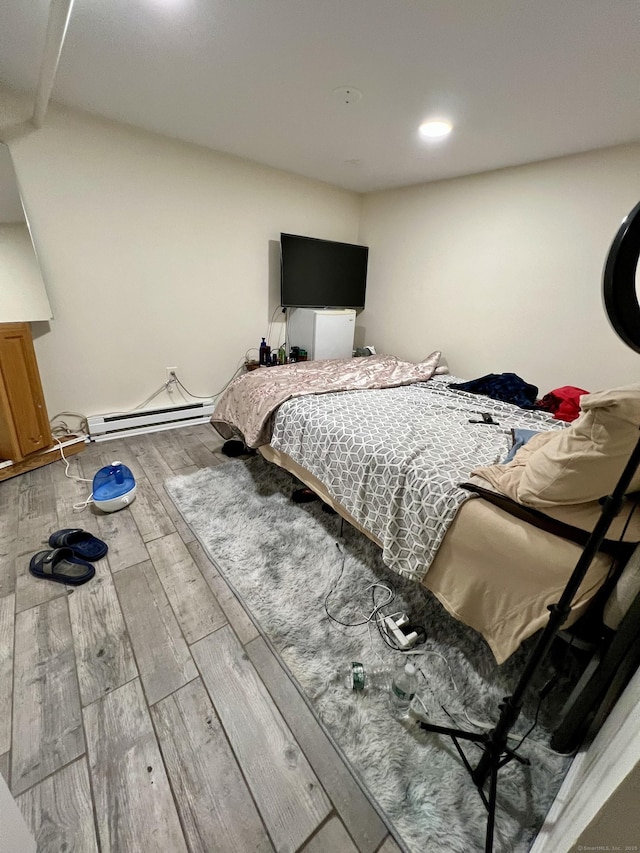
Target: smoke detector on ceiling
348, 94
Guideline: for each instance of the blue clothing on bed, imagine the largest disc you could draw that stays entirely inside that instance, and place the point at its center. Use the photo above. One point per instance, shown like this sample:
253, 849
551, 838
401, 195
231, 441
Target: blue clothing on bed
508, 387
520, 438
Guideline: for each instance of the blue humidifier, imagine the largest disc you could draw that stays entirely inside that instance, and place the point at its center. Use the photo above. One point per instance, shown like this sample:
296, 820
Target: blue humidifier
114, 487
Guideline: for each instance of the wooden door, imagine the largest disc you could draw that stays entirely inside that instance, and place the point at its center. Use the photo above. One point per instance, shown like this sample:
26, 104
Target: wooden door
24, 423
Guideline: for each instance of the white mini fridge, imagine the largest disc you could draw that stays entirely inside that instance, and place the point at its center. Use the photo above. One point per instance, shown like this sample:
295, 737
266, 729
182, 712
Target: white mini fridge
323, 332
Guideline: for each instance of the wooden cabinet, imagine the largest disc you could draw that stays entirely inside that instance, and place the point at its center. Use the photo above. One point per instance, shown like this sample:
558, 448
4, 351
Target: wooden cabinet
25, 434
24, 423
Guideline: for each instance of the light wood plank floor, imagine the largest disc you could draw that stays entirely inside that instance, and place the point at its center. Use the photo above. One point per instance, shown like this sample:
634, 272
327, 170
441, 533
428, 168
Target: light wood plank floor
143, 711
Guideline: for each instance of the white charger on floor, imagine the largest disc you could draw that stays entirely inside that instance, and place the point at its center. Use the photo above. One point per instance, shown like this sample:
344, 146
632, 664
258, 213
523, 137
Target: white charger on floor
393, 626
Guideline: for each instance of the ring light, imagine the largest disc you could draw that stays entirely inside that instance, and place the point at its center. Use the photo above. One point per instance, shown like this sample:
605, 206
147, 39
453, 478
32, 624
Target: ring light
619, 281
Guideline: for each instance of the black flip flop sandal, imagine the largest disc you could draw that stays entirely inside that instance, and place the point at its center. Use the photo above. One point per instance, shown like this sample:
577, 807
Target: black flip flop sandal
61, 566
84, 545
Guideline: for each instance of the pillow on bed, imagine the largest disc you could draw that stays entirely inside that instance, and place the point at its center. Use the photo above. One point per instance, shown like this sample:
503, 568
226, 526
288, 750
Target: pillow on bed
584, 462
442, 368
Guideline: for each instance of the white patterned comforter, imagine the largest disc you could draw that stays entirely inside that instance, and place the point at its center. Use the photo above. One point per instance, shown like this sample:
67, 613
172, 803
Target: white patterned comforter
394, 457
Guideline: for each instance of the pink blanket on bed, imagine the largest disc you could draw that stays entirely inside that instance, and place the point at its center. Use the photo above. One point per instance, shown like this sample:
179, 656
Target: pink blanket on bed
248, 405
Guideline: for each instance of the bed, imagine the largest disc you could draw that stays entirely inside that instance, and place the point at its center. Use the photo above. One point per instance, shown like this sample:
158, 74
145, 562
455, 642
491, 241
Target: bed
388, 444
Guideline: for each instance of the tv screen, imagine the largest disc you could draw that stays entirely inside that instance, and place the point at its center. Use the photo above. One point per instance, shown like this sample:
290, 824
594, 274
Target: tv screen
322, 273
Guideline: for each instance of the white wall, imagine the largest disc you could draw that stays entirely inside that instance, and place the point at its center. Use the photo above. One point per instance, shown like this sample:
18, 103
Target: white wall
597, 805
155, 253
22, 293
502, 271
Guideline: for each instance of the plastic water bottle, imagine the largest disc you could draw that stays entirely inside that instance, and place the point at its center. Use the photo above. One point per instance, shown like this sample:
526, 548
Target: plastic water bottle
359, 677
403, 689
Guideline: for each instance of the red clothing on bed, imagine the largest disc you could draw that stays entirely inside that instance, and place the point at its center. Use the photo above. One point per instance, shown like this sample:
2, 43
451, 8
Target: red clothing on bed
564, 402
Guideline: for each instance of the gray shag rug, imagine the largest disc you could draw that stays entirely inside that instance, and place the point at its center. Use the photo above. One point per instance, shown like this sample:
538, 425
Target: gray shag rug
283, 558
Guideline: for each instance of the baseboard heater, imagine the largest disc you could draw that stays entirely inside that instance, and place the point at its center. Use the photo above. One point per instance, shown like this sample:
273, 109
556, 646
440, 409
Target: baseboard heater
105, 427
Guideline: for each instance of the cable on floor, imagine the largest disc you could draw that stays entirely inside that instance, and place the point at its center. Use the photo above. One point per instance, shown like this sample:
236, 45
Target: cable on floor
376, 608
83, 504
63, 428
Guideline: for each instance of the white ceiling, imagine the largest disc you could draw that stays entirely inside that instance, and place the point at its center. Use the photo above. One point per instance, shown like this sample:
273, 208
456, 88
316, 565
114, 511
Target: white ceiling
522, 80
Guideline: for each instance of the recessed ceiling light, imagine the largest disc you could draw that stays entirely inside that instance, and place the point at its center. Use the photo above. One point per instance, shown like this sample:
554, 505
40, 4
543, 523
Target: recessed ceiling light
435, 129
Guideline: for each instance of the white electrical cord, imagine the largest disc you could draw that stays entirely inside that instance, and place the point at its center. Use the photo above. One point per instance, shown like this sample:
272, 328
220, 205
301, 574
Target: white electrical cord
64, 429
66, 462
283, 327
163, 387
168, 386
374, 613
209, 396
271, 322
429, 652
83, 504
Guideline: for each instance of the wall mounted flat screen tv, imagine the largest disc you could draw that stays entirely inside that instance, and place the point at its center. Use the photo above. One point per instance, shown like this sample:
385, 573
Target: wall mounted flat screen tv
322, 273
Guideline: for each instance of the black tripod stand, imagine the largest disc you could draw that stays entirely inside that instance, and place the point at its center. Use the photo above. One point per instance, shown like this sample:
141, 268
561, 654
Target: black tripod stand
496, 753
